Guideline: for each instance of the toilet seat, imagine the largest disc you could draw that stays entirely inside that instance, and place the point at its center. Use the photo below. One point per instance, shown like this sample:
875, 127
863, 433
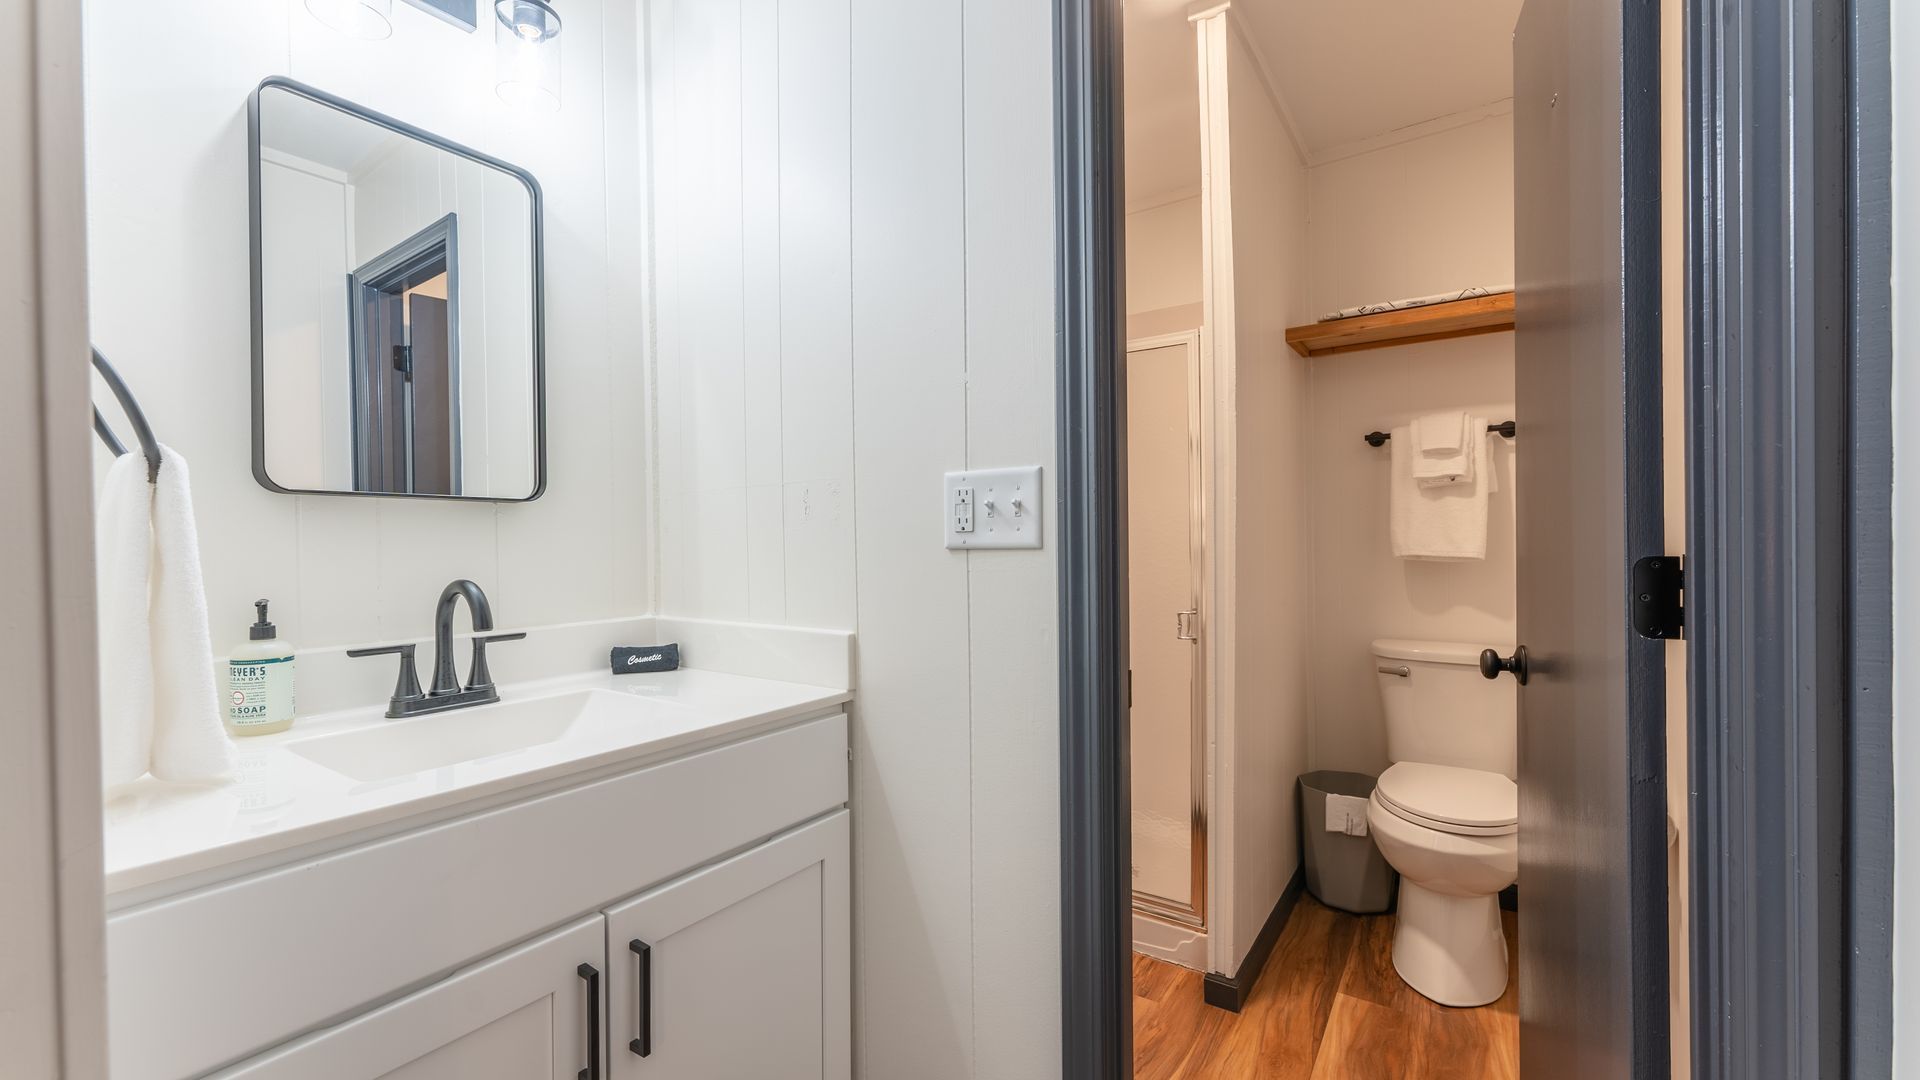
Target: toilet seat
1445, 798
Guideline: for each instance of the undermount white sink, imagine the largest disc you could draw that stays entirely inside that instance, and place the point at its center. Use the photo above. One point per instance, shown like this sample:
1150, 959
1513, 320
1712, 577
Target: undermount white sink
404, 747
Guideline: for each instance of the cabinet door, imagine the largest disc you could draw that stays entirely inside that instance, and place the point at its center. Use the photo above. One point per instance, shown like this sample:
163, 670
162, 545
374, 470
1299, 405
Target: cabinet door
739, 971
522, 1015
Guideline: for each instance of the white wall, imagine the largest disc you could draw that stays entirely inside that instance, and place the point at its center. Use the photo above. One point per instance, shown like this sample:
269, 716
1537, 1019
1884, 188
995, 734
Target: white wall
167, 197
304, 325
1906, 528
853, 204
1409, 219
1256, 202
1165, 277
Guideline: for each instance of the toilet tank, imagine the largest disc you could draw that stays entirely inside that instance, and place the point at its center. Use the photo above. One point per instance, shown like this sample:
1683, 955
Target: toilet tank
1441, 710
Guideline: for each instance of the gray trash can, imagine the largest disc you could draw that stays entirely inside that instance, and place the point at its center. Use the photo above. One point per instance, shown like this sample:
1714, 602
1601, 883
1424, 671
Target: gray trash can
1345, 872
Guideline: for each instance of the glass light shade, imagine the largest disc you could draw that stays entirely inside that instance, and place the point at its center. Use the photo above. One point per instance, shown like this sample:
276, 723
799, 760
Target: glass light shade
526, 54
369, 20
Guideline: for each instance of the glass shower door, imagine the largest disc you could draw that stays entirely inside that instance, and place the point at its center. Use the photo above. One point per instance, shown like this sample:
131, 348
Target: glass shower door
1163, 551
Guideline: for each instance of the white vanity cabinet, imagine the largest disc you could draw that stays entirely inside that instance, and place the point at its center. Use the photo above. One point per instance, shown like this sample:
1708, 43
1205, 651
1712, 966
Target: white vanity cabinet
432, 953
740, 970
521, 1015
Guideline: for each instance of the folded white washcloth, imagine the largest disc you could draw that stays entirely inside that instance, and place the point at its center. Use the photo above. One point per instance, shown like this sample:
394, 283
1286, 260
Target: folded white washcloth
1440, 433
1443, 443
1446, 522
160, 711
1347, 814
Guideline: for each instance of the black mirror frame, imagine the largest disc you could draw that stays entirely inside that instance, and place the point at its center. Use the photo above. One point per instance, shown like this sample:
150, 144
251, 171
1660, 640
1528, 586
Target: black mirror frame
539, 355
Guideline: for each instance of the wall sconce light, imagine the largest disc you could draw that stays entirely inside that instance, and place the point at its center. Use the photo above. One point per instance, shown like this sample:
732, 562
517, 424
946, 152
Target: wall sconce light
369, 20
526, 54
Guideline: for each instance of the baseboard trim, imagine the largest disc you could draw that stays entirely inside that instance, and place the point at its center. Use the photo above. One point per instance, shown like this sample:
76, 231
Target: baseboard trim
1230, 992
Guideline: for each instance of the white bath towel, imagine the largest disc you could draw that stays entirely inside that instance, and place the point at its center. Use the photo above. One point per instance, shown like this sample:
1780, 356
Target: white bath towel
159, 709
1445, 448
1447, 522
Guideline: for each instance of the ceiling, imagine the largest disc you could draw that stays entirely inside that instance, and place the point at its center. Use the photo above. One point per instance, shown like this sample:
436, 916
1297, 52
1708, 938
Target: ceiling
1347, 70
1162, 103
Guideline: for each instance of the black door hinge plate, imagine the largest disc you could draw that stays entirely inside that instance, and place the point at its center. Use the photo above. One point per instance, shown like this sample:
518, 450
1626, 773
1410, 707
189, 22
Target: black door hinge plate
1658, 582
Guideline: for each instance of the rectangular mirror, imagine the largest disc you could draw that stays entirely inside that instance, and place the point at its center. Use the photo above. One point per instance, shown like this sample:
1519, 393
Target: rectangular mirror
397, 337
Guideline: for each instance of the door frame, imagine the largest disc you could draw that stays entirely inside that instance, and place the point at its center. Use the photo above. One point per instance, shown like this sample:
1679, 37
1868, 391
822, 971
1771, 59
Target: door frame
1096, 909
1790, 644
1752, 341
1204, 768
53, 985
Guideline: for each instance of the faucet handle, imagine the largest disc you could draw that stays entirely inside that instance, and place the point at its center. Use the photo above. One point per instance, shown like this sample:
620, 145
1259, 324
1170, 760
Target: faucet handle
407, 687
478, 677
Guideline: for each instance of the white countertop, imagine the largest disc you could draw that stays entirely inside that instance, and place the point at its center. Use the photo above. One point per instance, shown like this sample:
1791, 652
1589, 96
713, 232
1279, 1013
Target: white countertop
157, 832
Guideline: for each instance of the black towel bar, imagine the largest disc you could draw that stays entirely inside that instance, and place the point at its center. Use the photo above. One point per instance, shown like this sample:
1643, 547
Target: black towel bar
1504, 429
143, 431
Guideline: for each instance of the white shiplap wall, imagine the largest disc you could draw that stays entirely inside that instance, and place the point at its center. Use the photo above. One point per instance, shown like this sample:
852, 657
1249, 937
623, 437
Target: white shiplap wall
854, 235
167, 246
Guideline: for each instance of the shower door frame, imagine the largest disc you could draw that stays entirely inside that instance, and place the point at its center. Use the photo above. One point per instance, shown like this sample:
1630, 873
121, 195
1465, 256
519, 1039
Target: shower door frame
1201, 719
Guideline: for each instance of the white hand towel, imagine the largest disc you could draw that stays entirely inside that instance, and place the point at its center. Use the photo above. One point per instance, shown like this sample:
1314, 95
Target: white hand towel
1347, 814
123, 550
1446, 522
160, 711
1445, 448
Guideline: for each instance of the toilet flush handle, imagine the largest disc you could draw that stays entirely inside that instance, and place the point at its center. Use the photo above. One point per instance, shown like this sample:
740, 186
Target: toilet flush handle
1491, 664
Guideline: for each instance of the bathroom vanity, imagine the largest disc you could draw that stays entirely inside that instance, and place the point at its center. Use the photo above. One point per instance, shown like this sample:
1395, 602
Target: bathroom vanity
643, 876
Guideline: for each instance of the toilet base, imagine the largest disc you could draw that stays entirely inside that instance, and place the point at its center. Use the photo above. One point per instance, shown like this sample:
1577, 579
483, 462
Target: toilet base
1450, 948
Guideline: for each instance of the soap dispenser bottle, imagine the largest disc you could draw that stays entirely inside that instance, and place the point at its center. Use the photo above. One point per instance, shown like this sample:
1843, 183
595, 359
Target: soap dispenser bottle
260, 680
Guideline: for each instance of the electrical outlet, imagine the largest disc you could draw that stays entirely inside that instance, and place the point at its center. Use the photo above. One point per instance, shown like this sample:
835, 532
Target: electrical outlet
993, 508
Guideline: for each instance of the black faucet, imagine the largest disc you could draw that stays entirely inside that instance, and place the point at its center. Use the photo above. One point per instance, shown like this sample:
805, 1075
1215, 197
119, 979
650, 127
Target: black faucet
447, 693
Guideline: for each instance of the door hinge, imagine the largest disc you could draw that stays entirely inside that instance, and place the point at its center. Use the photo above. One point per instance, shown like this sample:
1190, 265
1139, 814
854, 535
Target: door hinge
1659, 584
403, 360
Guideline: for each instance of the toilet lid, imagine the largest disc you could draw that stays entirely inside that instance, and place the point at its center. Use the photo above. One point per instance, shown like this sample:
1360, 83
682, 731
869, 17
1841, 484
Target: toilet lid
1451, 799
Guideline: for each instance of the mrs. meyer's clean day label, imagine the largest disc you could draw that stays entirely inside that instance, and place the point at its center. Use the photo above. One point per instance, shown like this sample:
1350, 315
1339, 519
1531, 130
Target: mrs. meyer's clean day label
260, 681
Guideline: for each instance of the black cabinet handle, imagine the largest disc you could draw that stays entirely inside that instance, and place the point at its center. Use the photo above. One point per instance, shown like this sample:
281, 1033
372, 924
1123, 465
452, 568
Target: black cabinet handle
642, 1042
592, 975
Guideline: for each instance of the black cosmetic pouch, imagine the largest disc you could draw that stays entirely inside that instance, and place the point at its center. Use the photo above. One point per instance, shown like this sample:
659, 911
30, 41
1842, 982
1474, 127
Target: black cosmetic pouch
630, 659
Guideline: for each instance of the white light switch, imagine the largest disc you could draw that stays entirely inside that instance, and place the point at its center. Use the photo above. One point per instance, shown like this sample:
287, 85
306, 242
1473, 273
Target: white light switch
993, 508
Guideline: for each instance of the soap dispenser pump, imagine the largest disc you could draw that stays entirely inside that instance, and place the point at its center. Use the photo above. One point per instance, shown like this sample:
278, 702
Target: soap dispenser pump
260, 680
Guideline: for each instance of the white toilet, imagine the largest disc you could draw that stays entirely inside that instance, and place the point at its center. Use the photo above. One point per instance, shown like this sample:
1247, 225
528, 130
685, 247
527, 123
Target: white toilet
1446, 814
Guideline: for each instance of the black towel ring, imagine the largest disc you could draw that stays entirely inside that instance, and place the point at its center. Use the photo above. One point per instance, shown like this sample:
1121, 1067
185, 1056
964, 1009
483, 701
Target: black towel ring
142, 430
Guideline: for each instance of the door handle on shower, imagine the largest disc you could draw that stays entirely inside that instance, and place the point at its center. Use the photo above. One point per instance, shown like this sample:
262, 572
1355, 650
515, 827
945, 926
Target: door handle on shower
1186, 625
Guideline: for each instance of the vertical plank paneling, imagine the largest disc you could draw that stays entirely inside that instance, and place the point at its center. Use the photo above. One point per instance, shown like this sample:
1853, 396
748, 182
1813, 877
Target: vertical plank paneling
912, 741
1010, 420
760, 150
630, 479
816, 324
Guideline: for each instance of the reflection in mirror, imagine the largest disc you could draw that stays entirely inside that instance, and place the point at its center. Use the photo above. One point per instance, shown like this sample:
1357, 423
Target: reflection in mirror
397, 346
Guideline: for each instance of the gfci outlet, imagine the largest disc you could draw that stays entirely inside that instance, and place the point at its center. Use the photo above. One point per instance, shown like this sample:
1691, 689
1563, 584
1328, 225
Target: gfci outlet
993, 508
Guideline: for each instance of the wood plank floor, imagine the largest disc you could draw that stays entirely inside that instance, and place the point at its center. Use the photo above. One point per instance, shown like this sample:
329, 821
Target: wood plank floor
1328, 1007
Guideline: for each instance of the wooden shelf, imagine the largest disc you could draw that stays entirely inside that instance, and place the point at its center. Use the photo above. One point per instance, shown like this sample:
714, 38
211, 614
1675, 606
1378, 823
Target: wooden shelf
1434, 322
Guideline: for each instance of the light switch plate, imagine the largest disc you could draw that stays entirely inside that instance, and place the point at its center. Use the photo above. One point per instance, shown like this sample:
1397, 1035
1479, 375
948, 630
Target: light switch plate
993, 508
